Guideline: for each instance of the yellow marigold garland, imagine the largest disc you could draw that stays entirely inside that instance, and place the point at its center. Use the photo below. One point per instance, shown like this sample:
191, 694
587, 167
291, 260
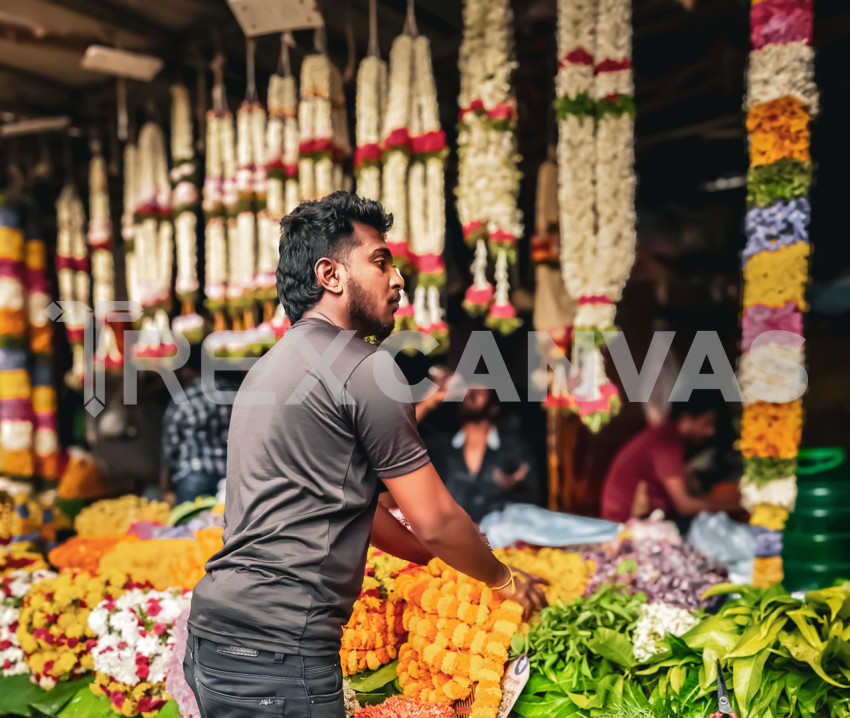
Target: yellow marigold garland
771, 430
20, 557
459, 634
778, 129
774, 278
567, 573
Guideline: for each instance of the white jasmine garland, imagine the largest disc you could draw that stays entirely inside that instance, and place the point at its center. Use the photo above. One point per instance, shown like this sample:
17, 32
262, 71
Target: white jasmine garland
369, 113
13, 587
779, 492
782, 70
350, 697
768, 364
100, 242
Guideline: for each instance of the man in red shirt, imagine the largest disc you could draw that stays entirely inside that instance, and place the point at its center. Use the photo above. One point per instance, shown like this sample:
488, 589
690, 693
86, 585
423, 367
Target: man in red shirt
651, 466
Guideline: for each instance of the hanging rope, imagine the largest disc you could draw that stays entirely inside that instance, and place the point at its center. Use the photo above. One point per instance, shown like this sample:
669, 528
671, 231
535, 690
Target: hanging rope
68, 160
351, 63
284, 65
201, 107
320, 41
251, 90
218, 93
410, 22
374, 47
121, 99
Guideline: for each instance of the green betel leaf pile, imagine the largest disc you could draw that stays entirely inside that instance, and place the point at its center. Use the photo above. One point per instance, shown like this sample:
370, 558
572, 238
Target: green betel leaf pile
781, 657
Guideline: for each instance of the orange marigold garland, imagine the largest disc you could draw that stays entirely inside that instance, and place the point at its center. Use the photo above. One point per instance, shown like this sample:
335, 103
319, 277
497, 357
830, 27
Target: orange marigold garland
459, 634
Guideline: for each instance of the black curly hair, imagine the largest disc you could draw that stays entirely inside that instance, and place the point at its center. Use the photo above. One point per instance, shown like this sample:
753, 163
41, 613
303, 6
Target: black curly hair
321, 228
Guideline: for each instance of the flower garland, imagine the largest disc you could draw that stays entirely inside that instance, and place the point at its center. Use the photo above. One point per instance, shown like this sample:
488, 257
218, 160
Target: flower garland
13, 587
53, 628
135, 639
781, 100
153, 242
566, 573
401, 707
184, 180
427, 200
112, 517
128, 221
488, 174
83, 553
108, 351
595, 110
316, 128
16, 420
175, 680
372, 635
218, 202
20, 556
72, 269
369, 106
459, 634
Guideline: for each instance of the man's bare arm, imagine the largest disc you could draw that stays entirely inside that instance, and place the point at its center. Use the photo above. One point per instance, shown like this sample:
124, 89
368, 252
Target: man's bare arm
389, 535
689, 505
443, 527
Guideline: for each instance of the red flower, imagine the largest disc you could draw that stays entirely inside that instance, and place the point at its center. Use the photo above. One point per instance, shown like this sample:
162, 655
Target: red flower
154, 608
159, 628
4, 645
48, 666
72, 642
90, 643
7, 664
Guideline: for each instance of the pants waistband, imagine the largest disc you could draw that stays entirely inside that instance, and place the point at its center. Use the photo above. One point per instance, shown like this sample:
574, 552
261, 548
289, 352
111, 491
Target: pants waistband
261, 655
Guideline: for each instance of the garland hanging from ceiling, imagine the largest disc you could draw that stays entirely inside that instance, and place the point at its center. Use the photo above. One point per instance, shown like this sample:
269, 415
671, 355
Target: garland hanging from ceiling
315, 125
488, 174
153, 242
595, 110
781, 100
369, 113
184, 180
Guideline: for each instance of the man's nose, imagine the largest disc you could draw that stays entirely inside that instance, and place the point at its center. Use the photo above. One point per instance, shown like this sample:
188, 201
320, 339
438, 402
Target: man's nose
397, 281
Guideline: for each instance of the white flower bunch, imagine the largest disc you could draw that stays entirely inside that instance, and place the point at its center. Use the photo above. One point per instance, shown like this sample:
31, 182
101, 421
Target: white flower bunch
185, 192
657, 620
782, 70
779, 492
135, 634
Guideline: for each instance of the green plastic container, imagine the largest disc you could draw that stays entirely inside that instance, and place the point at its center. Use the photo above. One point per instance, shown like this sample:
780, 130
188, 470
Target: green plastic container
816, 544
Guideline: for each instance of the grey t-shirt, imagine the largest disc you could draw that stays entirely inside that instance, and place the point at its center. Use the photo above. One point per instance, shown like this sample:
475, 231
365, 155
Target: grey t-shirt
303, 474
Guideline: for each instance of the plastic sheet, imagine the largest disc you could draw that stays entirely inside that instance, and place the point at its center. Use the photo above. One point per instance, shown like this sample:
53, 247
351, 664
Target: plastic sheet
726, 541
537, 526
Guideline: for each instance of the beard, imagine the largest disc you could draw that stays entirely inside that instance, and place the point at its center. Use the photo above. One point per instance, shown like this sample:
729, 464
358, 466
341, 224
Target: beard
360, 311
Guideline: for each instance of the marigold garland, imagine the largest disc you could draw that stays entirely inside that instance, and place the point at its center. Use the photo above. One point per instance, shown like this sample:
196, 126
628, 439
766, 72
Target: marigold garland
566, 573
459, 634
13, 587
112, 517
84, 553
20, 557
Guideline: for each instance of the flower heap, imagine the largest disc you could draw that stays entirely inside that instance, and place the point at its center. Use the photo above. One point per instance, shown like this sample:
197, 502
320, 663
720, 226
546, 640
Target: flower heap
108, 352
219, 203
781, 100
153, 242
426, 195
135, 639
595, 110
112, 517
400, 707
13, 587
16, 419
251, 215
316, 128
184, 181
566, 573
374, 632
72, 269
53, 628
459, 634
20, 556
40, 330
370, 107
395, 146
656, 621
488, 174
83, 553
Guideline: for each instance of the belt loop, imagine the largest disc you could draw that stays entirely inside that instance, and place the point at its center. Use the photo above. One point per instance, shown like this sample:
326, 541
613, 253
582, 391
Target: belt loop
279, 657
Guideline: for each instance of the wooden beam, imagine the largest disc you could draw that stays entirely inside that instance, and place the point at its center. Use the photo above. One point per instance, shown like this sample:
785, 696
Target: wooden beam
35, 78
122, 18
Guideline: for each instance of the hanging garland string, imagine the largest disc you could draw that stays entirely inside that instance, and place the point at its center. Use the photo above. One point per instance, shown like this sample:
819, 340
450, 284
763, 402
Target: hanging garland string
184, 181
781, 100
595, 111
316, 127
370, 108
488, 174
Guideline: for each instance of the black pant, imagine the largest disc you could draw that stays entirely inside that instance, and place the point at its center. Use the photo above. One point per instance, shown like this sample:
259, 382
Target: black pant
237, 682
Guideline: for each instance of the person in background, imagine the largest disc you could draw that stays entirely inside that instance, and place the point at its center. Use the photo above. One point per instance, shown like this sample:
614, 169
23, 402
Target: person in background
648, 473
484, 469
194, 437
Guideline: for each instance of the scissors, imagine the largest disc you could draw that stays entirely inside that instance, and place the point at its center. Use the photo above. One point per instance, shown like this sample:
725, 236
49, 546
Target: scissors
725, 707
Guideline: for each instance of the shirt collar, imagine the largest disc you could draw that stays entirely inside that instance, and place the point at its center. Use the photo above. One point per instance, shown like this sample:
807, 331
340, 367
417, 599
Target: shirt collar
494, 441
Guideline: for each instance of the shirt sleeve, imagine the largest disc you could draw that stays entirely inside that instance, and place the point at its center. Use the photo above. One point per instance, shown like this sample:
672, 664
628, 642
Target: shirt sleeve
668, 460
383, 418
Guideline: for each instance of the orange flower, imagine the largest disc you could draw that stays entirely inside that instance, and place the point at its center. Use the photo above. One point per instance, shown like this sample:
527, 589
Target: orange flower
767, 571
778, 129
771, 430
84, 554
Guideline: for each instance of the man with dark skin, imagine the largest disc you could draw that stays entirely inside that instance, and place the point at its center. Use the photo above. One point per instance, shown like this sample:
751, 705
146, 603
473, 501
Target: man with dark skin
304, 470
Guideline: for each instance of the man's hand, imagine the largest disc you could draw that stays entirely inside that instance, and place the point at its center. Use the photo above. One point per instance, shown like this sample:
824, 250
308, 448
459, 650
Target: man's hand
508, 481
528, 592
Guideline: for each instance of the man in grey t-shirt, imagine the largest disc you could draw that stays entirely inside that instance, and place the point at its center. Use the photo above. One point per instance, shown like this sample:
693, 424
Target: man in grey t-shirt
320, 424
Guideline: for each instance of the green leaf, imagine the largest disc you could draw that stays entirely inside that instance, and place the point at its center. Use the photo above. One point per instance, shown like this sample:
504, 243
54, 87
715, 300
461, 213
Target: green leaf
53, 701
371, 681
802, 651
628, 565
169, 710
807, 630
16, 693
86, 704
746, 679
612, 645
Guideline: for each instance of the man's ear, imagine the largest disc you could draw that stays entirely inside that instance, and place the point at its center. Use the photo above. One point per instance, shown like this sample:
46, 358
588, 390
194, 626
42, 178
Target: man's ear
328, 275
